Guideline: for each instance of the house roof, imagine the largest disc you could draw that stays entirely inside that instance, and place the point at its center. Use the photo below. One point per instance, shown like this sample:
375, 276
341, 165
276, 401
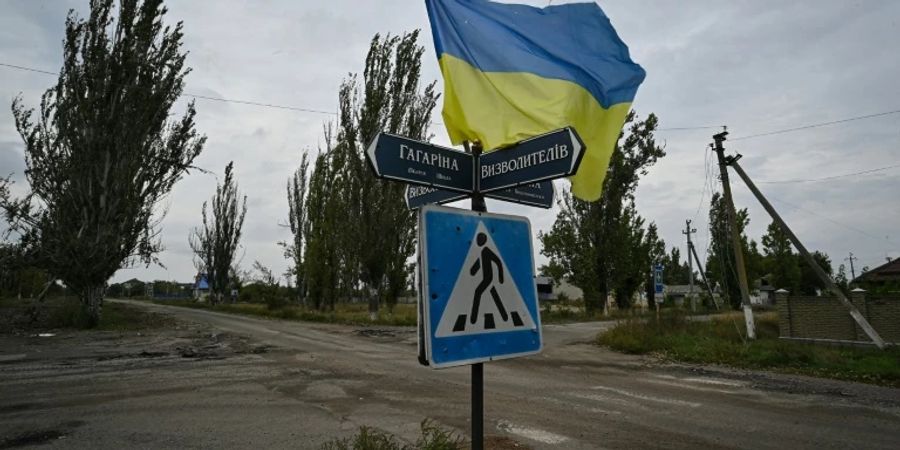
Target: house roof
682, 289
889, 271
201, 282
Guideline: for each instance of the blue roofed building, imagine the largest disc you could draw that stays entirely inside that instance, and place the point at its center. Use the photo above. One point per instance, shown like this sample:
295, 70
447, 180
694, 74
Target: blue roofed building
201, 287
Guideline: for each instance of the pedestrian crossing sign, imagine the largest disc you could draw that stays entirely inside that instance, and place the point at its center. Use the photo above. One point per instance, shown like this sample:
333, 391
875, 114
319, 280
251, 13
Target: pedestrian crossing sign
477, 290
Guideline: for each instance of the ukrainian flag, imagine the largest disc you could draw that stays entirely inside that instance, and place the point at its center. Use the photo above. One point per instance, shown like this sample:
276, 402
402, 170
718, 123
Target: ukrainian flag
515, 71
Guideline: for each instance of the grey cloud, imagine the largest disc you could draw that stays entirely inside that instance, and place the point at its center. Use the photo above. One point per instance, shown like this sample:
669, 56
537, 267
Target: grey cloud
753, 65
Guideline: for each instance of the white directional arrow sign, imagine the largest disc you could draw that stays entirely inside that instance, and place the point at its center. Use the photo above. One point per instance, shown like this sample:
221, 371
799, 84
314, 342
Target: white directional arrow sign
545, 157
411, 161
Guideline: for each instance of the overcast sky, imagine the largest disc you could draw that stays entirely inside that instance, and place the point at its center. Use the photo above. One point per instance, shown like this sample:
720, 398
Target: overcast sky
756, 66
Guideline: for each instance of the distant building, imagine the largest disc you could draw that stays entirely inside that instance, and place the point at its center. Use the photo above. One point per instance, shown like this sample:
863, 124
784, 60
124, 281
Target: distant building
132, 287
201, 287
764, 296
679, 292
884, 276
549, 290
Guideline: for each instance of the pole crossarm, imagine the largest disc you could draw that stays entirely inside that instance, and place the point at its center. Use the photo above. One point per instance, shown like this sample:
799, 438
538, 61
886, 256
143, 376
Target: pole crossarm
857, 316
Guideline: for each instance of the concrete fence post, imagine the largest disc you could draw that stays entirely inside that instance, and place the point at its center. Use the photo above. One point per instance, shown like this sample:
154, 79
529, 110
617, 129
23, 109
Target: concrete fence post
858, 297
785, 321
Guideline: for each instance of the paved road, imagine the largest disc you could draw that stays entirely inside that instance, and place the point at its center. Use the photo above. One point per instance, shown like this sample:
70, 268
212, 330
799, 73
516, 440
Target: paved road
317, 381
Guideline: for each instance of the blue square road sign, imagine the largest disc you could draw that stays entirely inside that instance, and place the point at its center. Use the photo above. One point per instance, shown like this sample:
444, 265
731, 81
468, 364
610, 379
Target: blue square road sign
478, 291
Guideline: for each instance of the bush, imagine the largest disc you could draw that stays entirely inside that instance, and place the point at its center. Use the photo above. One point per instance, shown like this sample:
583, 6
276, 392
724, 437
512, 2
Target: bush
432, 437
720, 341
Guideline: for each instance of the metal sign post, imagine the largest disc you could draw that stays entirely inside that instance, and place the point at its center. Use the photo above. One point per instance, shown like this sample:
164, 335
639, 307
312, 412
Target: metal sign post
477, 295
478, 204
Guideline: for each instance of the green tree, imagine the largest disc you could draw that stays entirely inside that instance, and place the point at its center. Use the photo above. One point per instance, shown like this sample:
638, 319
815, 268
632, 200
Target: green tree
102, 153
780, 260
675, 270
324, 230
602, 247
720, 262
374, 232
216, 241
293, 250
810, 283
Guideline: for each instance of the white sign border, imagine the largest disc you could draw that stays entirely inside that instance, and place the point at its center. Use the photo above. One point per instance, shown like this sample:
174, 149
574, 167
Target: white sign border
424, 297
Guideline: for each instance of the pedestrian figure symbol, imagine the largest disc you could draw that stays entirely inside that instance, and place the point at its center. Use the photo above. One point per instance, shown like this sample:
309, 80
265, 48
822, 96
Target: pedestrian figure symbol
484, 299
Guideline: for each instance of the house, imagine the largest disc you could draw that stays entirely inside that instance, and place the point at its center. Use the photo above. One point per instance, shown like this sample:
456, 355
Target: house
679, 292
201, 287
132, 287
549, 290
883, 277
764, 295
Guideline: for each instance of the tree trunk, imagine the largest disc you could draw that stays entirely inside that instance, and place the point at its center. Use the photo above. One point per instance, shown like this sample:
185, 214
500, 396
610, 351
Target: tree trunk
92, 305
373, 303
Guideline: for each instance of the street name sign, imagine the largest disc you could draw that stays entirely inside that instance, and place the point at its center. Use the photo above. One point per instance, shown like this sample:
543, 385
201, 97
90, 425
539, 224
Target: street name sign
538, 194
553, 155
478, 295
417, 196
403, 159
658, 287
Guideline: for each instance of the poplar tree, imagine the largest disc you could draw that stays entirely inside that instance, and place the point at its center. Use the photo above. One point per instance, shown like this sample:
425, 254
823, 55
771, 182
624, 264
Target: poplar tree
216, 241
325, 231
603, 247
376, 230
293, 250
101, 153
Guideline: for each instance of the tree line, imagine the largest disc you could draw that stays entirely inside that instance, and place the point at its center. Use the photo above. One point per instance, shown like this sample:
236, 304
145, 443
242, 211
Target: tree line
103, 150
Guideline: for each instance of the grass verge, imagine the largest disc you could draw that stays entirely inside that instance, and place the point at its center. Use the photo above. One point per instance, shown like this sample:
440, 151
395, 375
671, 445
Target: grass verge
54, 313
432, 437
348, 314
718, 341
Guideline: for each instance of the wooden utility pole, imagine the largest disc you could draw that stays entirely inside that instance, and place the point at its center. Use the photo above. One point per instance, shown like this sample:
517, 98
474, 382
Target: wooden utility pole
688, 231
735, 235
852, 269
829, 283
712, 295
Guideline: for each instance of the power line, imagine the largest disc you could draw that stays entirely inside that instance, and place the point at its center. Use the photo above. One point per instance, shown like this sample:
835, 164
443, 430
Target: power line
849, 227
816, 125
810, 180
203, 97
266, 105
703, 127
319, 111
29, 69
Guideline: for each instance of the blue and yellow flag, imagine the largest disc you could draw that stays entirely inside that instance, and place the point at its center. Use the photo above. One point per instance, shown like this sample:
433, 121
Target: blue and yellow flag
515, 71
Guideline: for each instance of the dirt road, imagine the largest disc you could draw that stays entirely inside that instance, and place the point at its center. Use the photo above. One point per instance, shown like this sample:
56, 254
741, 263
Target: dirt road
227, 381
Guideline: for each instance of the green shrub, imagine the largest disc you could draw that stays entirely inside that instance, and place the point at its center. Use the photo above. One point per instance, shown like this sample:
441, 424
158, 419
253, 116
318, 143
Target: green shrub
720, 341
432, 437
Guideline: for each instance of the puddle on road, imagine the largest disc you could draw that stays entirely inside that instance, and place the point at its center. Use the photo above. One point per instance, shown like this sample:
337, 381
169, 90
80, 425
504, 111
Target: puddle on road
534, 434
670, 401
